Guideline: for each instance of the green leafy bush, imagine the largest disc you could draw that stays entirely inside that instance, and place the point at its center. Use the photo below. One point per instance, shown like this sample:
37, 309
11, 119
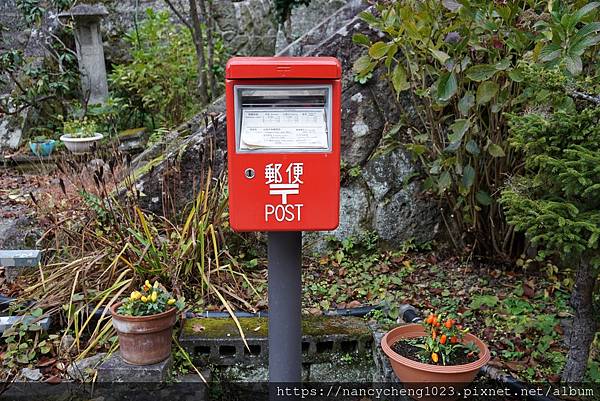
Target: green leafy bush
161, 80
39, 88
80, 128
556, 202
460, 63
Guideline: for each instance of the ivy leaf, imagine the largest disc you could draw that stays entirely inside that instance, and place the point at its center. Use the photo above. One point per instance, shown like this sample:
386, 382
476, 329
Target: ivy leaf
361, 64
472, 147
444, 181
481, 72
378, 49
35, 327
368, 18
480, 300
516, 75
483, 198
459, 128
502, 65
446, 86
574, 64
441, 56
486, 91
399, 79
466, 102
22, 359
550, 52
361, 39
496, 150
468, 177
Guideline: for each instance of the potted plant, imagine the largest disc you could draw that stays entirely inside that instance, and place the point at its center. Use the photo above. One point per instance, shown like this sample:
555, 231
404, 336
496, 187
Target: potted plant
42, 146
437, 352
144, 323
80, 135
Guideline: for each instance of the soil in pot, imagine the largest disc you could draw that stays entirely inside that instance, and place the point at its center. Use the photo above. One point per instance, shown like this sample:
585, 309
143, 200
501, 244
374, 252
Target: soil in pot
406, 349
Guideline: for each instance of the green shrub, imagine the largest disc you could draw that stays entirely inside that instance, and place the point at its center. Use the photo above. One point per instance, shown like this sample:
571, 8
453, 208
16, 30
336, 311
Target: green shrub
161, 80
459, 61
556, 202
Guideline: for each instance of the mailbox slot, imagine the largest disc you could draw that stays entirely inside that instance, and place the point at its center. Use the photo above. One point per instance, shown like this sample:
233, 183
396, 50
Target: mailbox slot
283, 119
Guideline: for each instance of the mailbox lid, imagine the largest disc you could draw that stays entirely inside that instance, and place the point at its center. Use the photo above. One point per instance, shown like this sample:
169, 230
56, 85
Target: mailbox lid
283, 67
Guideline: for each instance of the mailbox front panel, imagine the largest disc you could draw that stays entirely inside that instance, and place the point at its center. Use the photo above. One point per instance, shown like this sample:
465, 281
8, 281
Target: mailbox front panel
283, 140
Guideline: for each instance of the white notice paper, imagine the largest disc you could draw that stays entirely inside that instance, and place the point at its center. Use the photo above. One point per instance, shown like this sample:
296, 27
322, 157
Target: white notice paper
265, 128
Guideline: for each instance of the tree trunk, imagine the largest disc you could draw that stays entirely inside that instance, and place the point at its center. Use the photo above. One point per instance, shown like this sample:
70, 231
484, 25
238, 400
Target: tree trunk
584, 323
206, 10
199, 45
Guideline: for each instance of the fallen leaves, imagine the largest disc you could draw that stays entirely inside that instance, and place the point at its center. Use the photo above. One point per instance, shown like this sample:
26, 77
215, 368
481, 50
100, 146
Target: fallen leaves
198, 328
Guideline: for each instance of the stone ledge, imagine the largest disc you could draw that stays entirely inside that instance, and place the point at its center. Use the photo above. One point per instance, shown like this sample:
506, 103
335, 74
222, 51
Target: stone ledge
15, 262
7, 321
115, 370
20, 258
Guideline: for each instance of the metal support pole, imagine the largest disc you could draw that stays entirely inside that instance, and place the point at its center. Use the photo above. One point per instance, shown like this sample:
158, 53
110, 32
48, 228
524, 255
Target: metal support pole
285, 316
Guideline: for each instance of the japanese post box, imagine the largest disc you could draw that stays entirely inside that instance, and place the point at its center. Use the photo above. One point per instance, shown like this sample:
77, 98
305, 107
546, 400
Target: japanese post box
283, 143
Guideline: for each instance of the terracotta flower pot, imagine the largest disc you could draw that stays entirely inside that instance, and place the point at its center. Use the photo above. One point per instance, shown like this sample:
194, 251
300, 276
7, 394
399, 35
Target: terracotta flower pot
144, 340
416, 375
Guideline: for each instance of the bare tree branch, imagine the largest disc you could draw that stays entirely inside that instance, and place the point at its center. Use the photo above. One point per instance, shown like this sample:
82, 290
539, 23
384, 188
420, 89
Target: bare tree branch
179, 15
585, 96
199, 44
206, 11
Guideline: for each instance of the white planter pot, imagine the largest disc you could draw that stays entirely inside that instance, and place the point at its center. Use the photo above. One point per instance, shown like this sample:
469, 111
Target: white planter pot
80, 145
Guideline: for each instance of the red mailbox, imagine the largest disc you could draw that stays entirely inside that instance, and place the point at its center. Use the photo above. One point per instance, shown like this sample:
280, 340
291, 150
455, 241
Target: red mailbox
283, 142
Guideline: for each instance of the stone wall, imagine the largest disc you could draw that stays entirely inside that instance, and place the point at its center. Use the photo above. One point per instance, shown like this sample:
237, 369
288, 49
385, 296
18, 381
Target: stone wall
303, 18
16, 35
248, 27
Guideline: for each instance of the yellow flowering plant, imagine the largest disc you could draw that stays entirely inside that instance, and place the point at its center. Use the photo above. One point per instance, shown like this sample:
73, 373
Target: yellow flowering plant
152, 299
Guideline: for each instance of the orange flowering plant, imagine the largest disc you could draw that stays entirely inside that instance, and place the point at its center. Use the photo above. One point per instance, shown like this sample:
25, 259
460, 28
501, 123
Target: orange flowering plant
443, 340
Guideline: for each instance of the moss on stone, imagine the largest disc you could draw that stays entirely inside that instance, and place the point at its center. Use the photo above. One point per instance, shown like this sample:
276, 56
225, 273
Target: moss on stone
128, 133
314, 326
317, 326
147, 167
225, 327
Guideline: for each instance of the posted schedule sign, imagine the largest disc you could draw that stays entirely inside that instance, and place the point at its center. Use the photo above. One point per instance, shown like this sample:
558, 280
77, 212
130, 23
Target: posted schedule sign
284, 128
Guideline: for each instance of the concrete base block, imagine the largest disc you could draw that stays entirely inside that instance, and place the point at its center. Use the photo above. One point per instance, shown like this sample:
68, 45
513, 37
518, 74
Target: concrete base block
15, 262
12, 272
115, 369
7, 321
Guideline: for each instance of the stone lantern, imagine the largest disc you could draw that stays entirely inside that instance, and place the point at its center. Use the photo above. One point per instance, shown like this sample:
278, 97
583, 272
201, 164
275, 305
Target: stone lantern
90, 53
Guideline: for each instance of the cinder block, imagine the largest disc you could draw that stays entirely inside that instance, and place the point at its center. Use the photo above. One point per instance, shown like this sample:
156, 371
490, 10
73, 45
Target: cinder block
217, 340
